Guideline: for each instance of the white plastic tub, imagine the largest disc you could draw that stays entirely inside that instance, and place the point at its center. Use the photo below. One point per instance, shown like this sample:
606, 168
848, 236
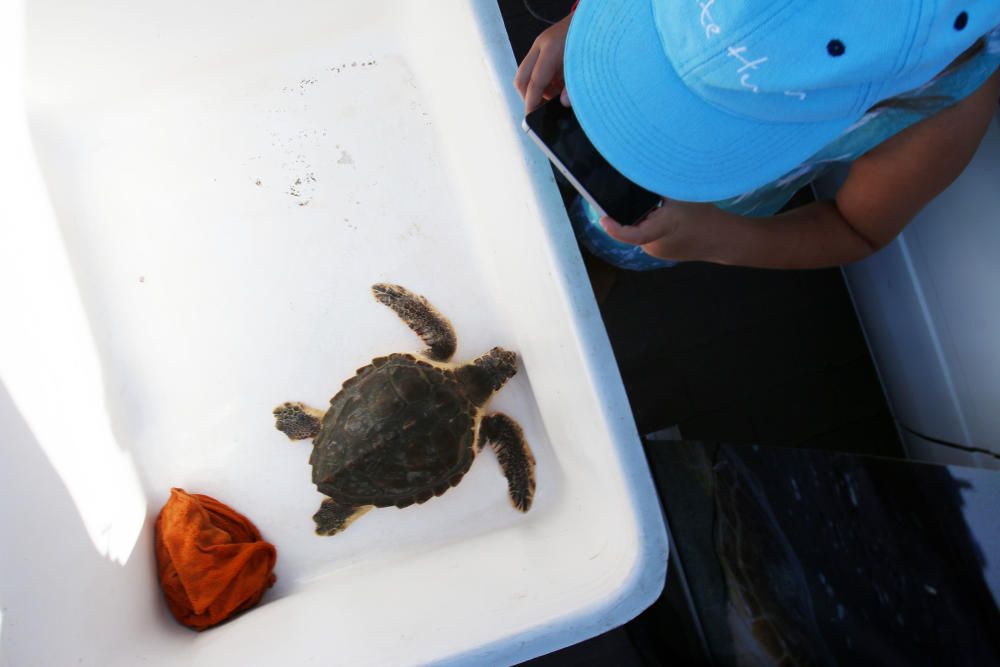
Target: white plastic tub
211, 191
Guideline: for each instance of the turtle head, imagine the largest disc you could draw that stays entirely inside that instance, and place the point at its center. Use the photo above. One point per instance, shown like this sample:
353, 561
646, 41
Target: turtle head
487, 374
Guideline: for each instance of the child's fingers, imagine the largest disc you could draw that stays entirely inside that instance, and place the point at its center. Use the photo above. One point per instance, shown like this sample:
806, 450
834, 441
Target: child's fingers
633, 234
553, 90
564, 97
542, 75
533, 96
615, 229
523, 75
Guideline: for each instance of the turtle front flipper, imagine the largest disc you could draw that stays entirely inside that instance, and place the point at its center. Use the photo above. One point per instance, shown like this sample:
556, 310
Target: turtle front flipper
333, 518
297, 421
504, 435
432, 327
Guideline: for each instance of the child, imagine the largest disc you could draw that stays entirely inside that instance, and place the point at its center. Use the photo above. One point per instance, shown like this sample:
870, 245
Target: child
728, 108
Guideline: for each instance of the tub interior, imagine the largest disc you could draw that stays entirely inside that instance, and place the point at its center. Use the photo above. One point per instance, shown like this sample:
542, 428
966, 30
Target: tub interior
225, 184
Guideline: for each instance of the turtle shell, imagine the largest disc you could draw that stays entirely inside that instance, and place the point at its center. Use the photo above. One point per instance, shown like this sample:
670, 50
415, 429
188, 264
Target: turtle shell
397, 433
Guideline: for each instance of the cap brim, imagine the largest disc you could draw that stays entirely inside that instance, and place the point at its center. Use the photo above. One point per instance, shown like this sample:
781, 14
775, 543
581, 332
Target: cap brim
643, 119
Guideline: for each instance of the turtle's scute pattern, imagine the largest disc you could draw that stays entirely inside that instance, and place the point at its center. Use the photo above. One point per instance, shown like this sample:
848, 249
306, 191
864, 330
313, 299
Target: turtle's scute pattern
400, 432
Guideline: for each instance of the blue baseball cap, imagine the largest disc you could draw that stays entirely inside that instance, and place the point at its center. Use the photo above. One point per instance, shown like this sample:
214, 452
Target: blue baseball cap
701, 100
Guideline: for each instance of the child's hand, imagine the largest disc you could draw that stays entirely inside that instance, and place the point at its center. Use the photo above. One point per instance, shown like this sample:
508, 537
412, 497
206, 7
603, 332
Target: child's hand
540, 76
677, 230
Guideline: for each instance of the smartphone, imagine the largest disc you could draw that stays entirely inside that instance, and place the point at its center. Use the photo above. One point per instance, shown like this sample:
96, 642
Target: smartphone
555, 129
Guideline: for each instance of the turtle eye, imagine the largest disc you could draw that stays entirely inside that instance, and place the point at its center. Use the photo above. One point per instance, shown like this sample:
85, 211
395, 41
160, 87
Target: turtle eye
836, 48
961, 21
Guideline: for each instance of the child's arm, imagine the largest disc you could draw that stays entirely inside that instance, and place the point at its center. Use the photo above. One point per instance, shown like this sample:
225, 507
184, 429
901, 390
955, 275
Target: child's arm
884, 189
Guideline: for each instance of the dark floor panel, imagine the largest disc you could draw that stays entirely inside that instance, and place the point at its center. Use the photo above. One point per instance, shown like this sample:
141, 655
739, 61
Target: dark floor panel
666, 633
865, 397
772, 350
658, 395
794, 410
733, 425
677, 309
875, 434
611, 648
779, 352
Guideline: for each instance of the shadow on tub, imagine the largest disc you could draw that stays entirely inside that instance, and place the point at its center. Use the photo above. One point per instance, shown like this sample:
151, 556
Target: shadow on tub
62, 602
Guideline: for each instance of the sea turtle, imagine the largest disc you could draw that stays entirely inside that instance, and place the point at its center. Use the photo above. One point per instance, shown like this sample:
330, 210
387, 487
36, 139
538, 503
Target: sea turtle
406, 427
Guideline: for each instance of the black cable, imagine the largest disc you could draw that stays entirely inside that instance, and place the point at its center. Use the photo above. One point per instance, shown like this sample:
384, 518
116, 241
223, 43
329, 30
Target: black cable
538, 16
953, 445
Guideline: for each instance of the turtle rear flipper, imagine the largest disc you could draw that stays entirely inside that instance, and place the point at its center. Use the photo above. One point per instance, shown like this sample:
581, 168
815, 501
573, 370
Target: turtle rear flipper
506, 439
432, 327
332, 517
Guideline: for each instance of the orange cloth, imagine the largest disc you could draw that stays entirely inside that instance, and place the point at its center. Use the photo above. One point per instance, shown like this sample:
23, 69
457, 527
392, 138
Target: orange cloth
211, 560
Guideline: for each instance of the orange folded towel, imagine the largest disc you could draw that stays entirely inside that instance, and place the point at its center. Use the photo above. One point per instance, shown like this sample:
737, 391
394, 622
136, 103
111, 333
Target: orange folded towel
211, 560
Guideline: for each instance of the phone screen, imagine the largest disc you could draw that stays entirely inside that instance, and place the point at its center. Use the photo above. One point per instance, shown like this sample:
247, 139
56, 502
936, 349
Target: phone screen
557, 129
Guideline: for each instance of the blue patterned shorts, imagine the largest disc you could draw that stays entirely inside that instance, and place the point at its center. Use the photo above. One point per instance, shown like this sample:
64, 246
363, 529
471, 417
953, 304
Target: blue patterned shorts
587, 226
